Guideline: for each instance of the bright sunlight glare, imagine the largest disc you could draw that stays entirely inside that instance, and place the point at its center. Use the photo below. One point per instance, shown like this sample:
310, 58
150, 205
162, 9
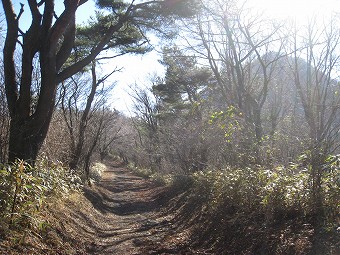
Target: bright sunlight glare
299, 10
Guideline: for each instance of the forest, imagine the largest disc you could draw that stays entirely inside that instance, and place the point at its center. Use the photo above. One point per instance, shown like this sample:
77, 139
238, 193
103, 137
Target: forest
235, 149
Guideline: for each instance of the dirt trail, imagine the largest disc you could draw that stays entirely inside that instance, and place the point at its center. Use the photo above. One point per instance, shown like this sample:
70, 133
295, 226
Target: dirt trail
125, 217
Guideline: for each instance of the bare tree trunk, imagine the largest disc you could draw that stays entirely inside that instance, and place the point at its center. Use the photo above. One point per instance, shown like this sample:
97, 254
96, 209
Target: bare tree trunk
91, 150
320, 107
4, 128
78, 148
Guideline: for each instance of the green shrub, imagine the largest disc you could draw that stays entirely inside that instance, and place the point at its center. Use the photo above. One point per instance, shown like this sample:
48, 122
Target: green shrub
229, 187
24, 190
272, 192
331, 187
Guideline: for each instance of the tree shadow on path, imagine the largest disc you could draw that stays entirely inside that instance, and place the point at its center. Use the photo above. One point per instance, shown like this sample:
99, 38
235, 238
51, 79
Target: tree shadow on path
126, 217
124, 194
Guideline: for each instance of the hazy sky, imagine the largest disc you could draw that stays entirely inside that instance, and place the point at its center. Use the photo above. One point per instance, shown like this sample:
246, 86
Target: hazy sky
136, 69
298, 9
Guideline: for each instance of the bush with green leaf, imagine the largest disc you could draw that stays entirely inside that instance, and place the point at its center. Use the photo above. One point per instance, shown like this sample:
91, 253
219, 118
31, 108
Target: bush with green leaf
275, 192
331, 187
229, 187
24, 190
239, 147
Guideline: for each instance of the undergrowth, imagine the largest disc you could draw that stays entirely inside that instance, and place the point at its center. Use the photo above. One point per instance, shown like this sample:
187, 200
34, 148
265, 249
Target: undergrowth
156, 177
24, 191
272, 192
96, 171
270, 211
264, 210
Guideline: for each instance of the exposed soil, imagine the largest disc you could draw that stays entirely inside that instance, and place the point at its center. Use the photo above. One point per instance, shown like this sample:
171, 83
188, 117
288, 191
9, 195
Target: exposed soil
122, 215
129, 215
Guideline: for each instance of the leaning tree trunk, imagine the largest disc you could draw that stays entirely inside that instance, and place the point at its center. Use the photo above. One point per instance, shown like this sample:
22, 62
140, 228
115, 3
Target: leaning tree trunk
76, 154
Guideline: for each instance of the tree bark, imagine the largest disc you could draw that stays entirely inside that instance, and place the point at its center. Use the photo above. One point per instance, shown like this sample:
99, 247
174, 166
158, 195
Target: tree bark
53, 42
28, 129
52, 39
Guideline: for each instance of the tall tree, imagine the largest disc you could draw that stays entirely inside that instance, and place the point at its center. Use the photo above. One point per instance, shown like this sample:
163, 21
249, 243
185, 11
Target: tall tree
77, 119
4, 126
169, 116
51, 38
183, 80
316, 79
147, 124
239, 47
